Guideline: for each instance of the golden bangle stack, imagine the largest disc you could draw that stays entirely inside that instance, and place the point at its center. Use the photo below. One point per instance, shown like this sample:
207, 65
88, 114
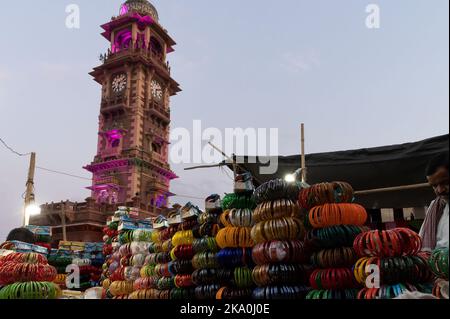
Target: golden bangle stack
276, 209
234, 237
225, 219
106, 283
145, 294
285, 228
119, 288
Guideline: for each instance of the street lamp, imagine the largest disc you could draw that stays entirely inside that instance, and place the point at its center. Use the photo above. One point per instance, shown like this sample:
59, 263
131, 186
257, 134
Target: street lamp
293, 177
296, 177
32, 210
290, 178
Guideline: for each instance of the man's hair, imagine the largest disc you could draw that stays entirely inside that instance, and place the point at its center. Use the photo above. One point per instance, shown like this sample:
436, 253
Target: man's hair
436, 162
21, 234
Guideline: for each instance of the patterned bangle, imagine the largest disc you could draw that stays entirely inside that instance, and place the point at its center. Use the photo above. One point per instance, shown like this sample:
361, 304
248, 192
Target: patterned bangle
319, 194
334, 258
280, 292
276, 209
292, 251
281, 274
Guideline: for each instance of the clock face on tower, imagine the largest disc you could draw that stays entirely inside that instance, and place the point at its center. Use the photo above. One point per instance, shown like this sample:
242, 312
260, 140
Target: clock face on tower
119, 83
157, 91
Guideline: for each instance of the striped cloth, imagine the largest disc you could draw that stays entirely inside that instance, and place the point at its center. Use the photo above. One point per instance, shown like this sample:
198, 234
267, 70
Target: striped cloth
430, 224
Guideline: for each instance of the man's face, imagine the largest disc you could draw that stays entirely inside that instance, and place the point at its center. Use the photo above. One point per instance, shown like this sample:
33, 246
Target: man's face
439, 182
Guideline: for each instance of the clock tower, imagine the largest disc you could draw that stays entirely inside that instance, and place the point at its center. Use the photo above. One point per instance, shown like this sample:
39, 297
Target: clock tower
131, 164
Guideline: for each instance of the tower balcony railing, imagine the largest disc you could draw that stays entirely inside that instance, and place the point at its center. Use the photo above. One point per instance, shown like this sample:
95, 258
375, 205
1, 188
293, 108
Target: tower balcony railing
158, 109
111, 152
157, 185
138, 49
159, 158
110, 126
109, 103
108, 180
159, 132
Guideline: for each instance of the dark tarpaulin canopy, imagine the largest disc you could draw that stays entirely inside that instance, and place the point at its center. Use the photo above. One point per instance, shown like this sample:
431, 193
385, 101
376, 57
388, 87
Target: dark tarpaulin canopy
365, 169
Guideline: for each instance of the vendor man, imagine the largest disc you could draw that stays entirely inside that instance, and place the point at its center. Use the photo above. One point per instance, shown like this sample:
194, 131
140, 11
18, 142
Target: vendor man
434, 231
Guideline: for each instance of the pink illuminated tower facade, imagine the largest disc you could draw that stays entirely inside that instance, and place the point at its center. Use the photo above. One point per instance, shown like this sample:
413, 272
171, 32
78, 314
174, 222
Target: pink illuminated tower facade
131, 165
132, 152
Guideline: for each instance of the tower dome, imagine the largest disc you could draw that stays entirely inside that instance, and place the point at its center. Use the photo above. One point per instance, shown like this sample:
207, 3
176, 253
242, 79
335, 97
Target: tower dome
142, 7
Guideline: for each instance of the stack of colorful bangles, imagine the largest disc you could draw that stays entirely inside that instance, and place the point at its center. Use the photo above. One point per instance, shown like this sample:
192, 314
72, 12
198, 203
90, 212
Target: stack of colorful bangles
325, 193
87, 272
281, 270
123, 277
109, 235
165, 281
181, 254
395, 256
235, 242
60, 262
145, 286
129, 248
334, 223
138, 241
438, 262
27, 276
205, 249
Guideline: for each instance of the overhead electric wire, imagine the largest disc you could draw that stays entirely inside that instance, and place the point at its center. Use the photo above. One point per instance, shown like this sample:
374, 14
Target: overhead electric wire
89, 179
12, 150
62, 173
38, 167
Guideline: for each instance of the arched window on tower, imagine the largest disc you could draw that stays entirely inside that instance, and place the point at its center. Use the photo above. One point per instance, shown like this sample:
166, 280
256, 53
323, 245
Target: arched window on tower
156, 48
122, 40
156, 148
115, 143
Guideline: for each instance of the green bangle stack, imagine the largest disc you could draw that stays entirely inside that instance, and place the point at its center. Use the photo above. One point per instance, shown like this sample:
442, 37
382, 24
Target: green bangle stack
439, 263
349, 294
31, 290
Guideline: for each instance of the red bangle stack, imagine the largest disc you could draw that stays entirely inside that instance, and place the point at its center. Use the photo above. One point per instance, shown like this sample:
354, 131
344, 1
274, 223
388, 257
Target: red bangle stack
388, 243
396, 253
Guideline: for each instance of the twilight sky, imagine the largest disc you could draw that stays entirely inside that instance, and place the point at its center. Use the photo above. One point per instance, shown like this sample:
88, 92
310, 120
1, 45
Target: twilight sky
252, 63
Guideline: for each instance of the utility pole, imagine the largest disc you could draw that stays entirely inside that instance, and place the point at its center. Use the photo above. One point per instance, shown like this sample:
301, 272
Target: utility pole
303, 163
29, 194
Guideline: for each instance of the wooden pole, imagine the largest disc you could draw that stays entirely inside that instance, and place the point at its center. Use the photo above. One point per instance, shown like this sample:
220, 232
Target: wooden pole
235, 165
226, 156
303, 163
390, 189
63, 220
29, 193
